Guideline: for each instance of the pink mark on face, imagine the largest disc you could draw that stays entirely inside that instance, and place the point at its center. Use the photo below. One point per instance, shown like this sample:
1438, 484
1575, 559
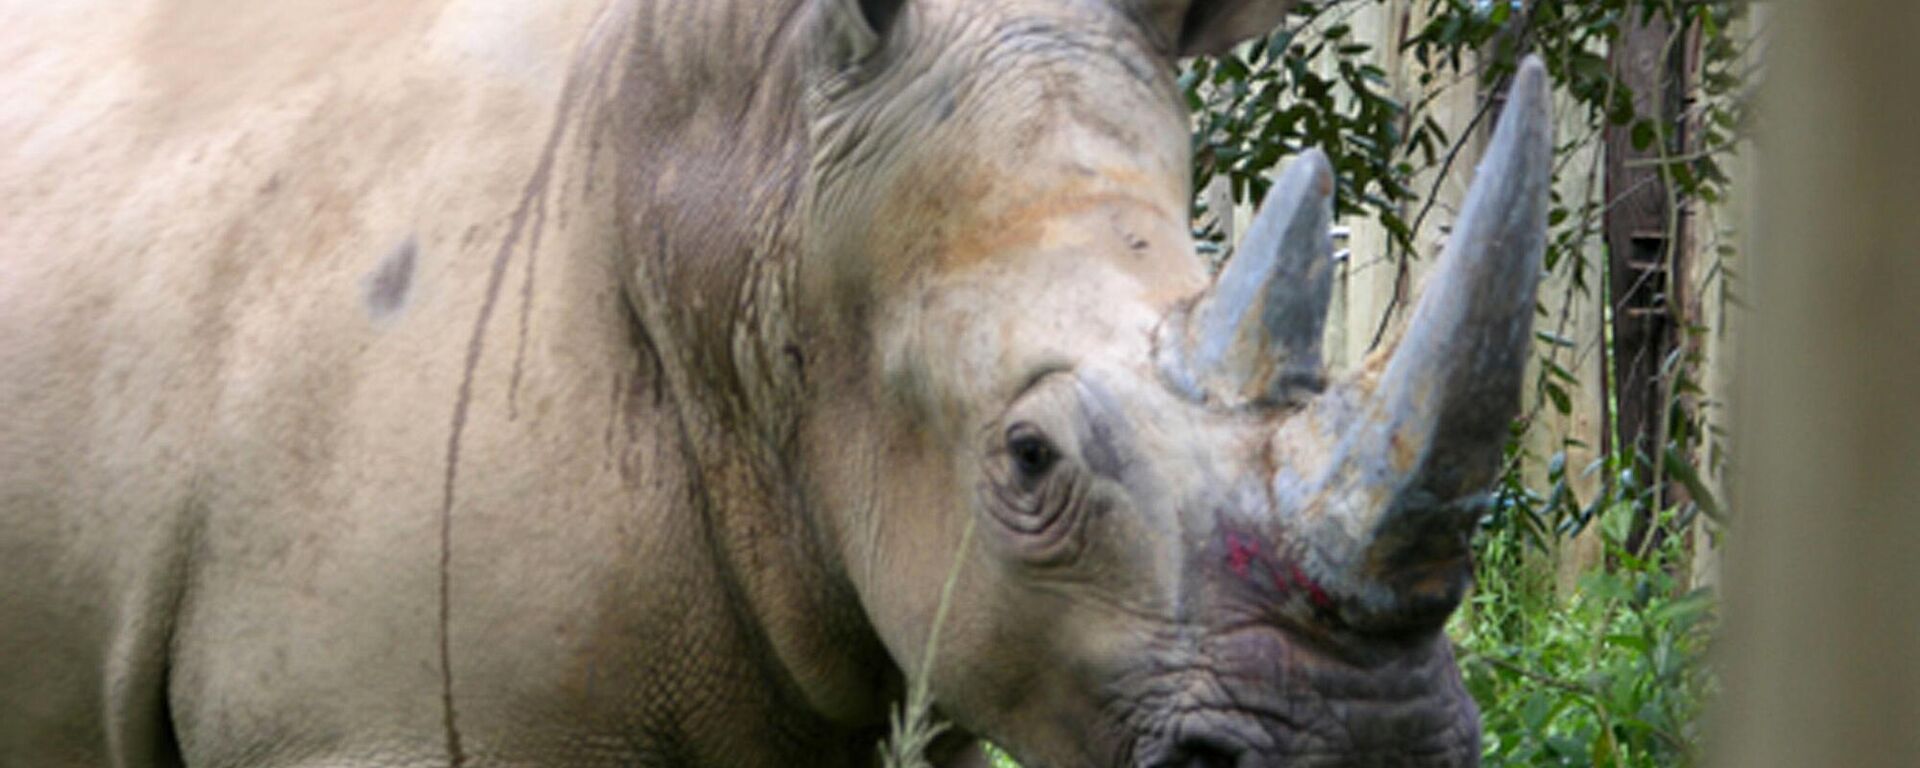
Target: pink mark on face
1244, 551
1241, 552
1314, 593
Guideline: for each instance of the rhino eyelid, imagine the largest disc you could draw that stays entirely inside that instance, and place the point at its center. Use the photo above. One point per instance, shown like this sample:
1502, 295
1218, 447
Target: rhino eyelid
1039, 374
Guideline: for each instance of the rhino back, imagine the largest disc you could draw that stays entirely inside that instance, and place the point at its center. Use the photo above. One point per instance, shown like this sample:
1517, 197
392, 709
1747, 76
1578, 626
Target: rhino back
330, 433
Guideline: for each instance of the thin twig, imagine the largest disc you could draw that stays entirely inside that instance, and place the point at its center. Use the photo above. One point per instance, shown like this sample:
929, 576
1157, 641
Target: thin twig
913, 729
1671, 258
1433, 194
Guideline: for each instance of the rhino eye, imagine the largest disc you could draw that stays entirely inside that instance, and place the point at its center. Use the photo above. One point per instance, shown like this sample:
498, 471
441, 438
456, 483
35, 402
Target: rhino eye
1032, 454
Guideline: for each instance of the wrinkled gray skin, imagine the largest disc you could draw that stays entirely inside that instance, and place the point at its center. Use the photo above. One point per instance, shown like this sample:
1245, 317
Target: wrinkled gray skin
576, 384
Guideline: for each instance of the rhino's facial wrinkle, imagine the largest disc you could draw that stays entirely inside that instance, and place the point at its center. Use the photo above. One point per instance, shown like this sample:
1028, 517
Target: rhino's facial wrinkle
1258, 697
969, 110
1034, 483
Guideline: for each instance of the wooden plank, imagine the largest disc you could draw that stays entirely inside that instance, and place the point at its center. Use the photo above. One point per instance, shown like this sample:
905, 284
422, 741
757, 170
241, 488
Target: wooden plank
1822, 639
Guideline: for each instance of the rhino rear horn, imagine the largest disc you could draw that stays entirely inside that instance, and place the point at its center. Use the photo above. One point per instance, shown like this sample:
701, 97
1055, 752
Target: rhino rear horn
1254, 336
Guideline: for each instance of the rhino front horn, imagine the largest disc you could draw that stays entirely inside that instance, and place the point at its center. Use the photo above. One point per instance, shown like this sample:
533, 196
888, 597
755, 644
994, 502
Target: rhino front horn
1254, 336
1389, 510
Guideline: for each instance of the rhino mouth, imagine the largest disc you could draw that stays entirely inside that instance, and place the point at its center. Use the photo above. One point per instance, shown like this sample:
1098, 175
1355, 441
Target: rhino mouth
1260, 698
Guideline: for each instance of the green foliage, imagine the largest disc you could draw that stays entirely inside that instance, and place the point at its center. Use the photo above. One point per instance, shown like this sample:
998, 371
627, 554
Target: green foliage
1314, 84
1272, 99
1613, 675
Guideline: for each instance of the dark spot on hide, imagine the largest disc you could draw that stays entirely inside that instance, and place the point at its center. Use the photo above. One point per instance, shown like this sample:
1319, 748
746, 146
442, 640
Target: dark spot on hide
387, 285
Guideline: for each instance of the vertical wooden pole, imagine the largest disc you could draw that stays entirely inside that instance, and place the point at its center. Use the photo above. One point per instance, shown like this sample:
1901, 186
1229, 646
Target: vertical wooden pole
1822, 637
1644, 240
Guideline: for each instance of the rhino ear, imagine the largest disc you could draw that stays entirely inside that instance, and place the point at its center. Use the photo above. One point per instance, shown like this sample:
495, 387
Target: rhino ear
857, 27
1198, 27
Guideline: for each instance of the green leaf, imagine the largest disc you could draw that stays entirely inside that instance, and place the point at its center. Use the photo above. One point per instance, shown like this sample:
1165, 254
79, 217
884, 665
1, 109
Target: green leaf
1644, 134
1554, 339
1561, 401
1682, 470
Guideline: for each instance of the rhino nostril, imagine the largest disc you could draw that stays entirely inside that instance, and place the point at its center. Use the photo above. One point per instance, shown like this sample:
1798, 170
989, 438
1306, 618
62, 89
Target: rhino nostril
1203, 752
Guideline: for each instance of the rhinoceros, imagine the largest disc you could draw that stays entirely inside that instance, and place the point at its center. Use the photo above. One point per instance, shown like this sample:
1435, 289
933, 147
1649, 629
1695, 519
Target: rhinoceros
674, 383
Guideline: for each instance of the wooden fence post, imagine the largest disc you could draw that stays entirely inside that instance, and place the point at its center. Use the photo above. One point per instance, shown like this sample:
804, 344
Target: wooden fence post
1646, 244
1823, 568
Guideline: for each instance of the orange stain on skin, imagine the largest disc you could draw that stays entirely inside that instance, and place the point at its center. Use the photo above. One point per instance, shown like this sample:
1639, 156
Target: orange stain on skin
969, 218
1028, 225
1403, 453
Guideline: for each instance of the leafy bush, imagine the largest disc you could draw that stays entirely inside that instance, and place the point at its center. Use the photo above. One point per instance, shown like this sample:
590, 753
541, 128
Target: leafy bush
1612, 675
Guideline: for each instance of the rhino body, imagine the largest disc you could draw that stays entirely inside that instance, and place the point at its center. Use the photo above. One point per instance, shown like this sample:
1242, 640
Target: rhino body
326, 406
609, 383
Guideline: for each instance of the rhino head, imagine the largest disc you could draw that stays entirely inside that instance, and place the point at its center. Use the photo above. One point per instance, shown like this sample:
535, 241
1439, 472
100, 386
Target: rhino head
1174, 539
